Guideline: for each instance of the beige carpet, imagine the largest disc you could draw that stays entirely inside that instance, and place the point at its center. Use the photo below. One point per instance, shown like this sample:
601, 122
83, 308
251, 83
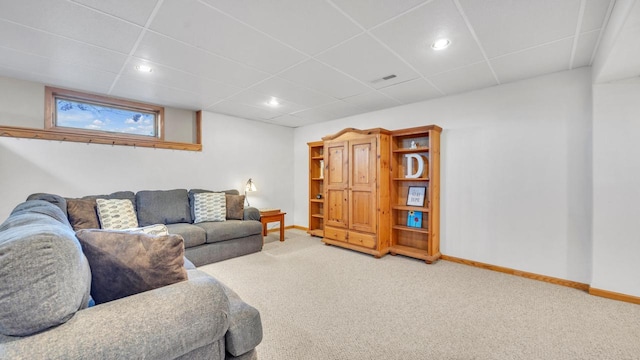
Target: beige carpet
324, 302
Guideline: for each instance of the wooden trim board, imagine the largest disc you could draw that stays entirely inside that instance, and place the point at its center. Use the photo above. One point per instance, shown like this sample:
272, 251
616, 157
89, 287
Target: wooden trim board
614, 295
528, 275
28, 133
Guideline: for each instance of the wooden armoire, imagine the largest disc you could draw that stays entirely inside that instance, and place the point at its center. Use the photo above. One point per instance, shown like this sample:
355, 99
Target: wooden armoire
356, 190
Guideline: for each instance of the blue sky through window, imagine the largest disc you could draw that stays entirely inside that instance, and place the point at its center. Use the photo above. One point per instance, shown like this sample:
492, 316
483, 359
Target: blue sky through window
81, 115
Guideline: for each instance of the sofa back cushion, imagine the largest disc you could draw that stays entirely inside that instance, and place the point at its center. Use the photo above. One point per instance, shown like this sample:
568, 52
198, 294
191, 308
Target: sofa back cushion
163, 207
45, 276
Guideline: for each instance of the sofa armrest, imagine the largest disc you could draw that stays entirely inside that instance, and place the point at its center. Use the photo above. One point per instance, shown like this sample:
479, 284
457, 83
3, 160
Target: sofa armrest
164, 323
251, 213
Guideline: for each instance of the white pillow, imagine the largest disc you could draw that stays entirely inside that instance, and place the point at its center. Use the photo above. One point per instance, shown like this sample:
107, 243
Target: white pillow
209, 207
156, 230
116, 214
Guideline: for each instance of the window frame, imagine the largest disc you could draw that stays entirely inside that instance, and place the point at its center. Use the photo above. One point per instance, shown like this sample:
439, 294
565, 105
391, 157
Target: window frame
51, 93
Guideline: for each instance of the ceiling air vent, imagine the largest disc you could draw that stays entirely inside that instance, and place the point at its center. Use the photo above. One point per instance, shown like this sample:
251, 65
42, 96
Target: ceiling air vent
388, 77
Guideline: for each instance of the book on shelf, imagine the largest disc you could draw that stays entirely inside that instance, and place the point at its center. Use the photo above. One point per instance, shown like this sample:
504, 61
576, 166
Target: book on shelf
414, 219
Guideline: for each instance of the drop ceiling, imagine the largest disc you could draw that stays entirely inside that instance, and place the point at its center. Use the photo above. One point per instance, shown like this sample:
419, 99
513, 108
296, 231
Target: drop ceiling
321, 59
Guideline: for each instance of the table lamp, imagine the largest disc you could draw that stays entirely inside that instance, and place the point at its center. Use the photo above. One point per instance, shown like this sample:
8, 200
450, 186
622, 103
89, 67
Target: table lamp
249, 187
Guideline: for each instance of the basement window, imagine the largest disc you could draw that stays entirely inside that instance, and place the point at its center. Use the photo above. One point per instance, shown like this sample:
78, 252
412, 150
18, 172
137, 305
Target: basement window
88, 114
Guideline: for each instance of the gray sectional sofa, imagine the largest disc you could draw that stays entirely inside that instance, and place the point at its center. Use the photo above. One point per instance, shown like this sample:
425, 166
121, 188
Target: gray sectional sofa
46, 309
205, 242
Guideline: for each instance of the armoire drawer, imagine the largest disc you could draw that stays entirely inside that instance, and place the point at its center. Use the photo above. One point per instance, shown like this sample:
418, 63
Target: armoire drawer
360, 239
335, 234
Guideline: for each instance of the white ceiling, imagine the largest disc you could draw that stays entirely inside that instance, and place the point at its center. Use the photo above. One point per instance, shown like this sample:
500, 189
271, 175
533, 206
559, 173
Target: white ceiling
320, 58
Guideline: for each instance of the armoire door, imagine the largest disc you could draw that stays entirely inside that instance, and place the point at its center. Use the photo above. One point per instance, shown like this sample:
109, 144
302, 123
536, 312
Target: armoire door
363, 180
336, 184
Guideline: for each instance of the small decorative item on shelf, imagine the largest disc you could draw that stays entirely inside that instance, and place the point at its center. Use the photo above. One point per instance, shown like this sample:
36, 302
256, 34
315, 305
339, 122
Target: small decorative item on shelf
319, 196
321, 169
414, 145
415, 196
414, 219
410, 174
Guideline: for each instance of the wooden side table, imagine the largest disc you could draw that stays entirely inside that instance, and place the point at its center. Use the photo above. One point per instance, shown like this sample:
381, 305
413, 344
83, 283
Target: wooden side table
267, 218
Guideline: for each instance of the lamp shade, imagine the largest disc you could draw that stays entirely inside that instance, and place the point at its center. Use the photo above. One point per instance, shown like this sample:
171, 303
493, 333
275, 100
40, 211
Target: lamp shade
250, 186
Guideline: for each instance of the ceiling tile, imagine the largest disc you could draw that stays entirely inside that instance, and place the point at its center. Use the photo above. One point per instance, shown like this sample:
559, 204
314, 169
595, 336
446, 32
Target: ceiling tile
411, 91
507, 26
412, 34
594, 14
158, 94
584, 49
335, 110
243, 111
533, 62
259, 100
137, 11
170, 77
58, 48
200, 25
463, 79
101, 30
57, 73
311, 115
317, 24
324, 79
163, 50
287, 90
367, 60
291, 121
372, 12
372, 101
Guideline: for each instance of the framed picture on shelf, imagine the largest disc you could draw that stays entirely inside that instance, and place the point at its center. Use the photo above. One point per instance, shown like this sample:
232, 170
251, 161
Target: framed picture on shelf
415, 196
414, 219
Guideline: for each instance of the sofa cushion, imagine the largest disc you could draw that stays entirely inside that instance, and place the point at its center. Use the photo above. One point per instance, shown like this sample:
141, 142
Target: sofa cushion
231, 229
192, 235
129, 195
124, 263
45, 276
56, 200
82, 214
163, 207
209, 207
235, 207
115, 214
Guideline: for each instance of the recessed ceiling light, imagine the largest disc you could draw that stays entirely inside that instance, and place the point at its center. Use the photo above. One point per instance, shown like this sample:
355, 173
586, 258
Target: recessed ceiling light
440, 44
144, 68
273, 102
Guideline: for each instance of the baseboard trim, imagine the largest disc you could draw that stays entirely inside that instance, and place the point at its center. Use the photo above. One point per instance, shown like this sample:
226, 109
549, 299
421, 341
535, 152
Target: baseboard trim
528, 275
298, 227
614, 295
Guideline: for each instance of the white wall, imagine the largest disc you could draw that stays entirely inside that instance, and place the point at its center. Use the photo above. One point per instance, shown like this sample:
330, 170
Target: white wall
233, 151
516, 169
616, 187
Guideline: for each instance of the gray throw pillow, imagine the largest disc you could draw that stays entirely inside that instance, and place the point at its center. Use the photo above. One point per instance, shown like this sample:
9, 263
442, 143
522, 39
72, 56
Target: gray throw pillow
163, 207
124, 263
